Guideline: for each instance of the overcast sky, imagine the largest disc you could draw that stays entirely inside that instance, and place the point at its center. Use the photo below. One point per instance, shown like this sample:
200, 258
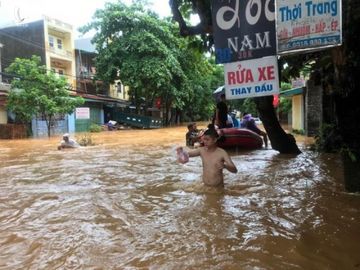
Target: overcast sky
75, 12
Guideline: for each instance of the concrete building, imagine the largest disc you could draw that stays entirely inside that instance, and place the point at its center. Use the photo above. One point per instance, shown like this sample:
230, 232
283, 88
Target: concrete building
4, 90
297, 121
53, 41
50, 39
101, 99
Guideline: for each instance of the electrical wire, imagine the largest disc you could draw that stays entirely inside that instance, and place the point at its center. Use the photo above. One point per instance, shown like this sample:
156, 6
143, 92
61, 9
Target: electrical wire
31, 43
34, 44
23, 40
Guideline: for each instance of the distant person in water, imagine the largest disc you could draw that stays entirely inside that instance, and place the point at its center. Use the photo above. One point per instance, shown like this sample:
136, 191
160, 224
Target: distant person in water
221, 114
112, 125
249, 123
236, 123
193, 135
214, 159
67, 142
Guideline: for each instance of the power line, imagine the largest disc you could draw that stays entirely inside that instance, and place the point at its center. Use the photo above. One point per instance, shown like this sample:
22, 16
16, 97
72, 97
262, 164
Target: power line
25, 41
9, 61
39, 46
17, 76
22, 78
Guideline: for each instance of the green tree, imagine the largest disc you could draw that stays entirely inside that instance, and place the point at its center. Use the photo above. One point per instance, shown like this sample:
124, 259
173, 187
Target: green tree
203, 77
36, 91
149, 56
134, 45
285, 104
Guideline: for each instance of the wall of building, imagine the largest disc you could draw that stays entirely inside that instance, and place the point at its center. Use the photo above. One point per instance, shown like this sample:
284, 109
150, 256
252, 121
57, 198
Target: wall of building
3, 115
298, 112
96, 117
71, 123
39, 128
85, 72
22, 41
313, 108
60, 59
119, 91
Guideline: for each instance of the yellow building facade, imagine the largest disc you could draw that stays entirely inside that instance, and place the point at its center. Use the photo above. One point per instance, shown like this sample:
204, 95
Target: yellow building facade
298, 107
59, 48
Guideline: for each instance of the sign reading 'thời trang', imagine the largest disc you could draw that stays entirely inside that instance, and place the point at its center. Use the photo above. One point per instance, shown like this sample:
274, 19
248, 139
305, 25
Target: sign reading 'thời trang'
308, 25
252, 78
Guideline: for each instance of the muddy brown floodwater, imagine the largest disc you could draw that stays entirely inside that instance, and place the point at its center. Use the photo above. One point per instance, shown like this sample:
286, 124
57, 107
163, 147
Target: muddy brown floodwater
126, 204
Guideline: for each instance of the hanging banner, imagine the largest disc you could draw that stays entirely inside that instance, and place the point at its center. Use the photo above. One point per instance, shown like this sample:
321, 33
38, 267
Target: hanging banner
82, 113
243, 29
252, 78
308, 25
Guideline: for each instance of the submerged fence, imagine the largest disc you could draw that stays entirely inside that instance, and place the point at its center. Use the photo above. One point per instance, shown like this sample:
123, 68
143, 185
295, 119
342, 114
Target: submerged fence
13, 131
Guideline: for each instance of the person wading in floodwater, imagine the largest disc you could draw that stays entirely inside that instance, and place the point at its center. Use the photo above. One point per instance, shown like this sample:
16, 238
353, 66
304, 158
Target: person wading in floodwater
67, 142
221, 114
214, 159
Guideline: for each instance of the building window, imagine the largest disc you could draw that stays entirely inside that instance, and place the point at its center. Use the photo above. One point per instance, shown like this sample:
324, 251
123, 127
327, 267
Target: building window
61, 72
51, 41
59, 44
119, 87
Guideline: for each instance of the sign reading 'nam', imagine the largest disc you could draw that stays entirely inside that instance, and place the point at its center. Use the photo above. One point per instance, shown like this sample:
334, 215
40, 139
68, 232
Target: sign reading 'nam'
243, 30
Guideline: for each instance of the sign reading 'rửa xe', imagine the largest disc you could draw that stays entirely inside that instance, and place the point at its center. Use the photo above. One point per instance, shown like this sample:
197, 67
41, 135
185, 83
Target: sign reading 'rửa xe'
251, 78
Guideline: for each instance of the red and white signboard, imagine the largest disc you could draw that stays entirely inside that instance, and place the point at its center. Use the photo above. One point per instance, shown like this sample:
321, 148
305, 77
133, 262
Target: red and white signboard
82, 113
252, 78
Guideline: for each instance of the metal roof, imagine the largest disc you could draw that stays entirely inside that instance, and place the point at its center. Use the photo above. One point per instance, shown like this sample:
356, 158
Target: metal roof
292, 92
85, 44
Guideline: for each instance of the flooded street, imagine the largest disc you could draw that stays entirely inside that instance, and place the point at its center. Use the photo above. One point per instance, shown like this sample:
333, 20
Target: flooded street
126, 204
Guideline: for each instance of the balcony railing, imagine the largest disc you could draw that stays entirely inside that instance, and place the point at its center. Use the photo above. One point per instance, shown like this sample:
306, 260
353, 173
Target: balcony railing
86, 75
64, 53
58, 23
4, 87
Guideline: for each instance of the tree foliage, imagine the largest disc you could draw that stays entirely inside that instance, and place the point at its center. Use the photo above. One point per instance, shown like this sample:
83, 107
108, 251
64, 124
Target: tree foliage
135, 46
147, 54
37, 92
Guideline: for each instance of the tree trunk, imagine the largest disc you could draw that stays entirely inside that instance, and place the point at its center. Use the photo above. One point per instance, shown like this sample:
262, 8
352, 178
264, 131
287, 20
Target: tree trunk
347, 85
280, 141
48, 125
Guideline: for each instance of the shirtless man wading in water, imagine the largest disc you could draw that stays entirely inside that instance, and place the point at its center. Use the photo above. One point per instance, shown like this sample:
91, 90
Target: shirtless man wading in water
214, 159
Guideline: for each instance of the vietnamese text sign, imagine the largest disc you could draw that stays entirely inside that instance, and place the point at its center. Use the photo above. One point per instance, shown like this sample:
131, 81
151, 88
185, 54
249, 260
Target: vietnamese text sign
82, 113
243, 29
308, 25
252, 78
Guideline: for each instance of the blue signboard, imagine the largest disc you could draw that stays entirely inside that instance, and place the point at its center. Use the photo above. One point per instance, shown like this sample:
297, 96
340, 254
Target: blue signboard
308, 25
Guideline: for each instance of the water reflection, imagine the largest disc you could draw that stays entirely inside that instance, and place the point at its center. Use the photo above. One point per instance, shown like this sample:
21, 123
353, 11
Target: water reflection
126, 204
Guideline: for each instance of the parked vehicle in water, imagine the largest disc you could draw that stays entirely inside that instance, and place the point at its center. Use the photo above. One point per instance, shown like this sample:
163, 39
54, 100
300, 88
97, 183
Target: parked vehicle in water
239, 137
